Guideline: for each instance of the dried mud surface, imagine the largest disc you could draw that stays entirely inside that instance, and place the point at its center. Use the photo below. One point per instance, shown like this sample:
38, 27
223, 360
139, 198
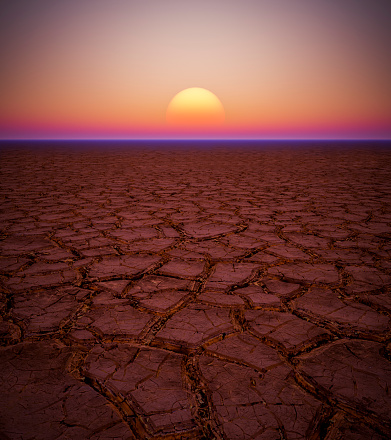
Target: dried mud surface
201, 294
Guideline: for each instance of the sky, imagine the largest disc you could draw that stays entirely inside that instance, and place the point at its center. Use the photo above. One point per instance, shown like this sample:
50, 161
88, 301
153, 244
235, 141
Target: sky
282, 69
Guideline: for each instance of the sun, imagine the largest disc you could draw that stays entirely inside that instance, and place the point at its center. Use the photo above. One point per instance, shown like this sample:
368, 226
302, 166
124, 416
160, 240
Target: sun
195, 108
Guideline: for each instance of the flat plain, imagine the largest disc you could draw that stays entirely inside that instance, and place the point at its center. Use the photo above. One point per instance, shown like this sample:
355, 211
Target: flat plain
195, 291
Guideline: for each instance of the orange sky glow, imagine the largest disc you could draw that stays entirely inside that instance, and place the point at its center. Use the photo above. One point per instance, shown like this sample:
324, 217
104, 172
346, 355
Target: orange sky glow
109, 69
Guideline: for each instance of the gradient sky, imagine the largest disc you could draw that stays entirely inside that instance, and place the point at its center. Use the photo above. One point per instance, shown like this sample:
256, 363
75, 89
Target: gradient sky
281, 68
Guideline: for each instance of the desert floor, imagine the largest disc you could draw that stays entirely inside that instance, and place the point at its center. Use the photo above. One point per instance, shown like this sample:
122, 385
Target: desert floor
221, 292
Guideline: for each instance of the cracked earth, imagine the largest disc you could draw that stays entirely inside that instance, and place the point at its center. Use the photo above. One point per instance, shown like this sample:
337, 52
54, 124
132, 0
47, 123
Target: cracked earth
195, 294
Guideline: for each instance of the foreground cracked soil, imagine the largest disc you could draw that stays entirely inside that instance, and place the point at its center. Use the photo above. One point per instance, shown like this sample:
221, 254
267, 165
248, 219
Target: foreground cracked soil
195, 294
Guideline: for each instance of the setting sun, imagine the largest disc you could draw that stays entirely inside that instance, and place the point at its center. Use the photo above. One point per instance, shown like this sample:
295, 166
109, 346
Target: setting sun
195, 108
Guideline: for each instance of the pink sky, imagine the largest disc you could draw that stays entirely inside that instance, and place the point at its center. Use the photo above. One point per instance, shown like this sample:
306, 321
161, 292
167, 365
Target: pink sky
281, 68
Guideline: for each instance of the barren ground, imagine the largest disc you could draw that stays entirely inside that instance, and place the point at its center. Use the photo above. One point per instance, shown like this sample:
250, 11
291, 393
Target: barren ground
218, 293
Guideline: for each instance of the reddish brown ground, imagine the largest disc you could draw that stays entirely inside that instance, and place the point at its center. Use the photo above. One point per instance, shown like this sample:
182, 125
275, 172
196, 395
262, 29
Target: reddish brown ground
202, 294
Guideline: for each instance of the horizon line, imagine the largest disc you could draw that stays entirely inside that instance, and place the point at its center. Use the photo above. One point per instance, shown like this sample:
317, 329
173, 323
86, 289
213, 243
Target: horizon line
195, 139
